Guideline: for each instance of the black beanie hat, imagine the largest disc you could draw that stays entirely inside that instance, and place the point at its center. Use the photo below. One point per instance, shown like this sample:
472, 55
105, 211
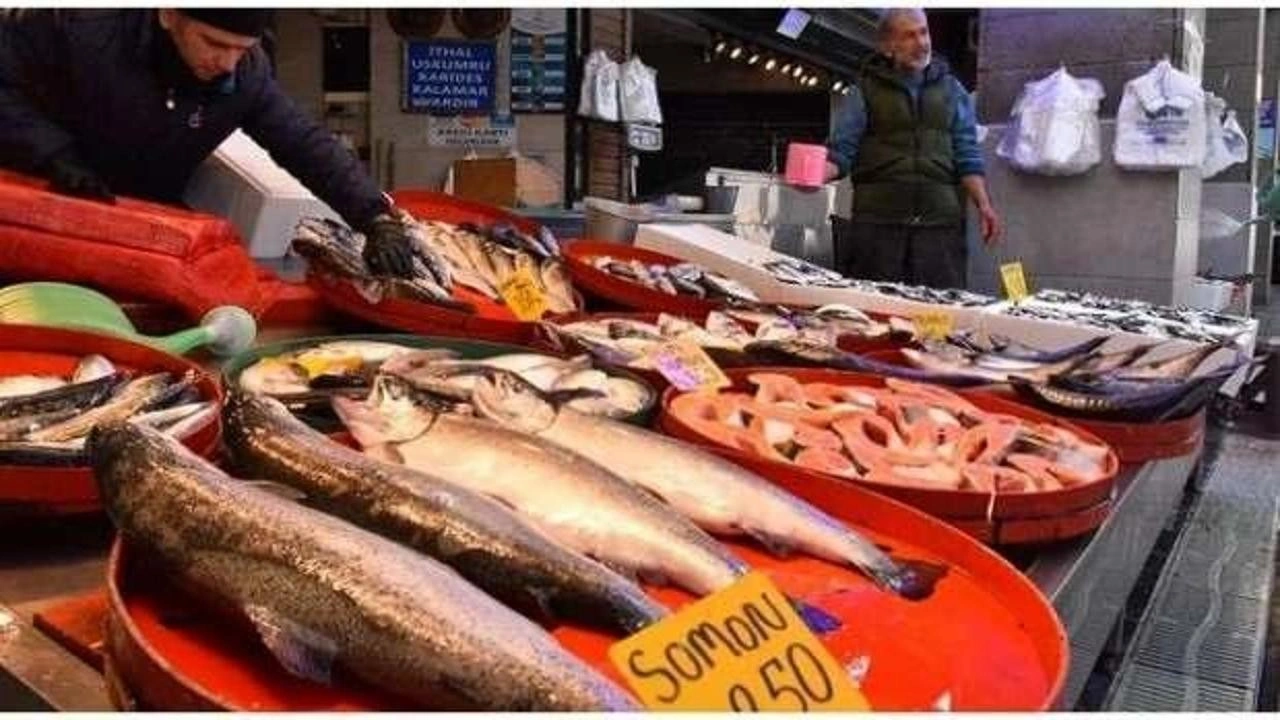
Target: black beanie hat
241, 21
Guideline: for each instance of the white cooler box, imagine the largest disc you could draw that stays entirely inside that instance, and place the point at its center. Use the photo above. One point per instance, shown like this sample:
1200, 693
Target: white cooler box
241, 183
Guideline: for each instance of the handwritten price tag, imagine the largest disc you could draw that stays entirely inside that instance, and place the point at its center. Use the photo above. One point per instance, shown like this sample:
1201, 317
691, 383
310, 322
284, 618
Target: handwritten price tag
742, 649
1015, 282
523, 294
688, 367
934, 325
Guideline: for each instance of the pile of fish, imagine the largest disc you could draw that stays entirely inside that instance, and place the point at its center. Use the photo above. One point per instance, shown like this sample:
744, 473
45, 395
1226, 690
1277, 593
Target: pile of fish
327, 595
44, 419
681, 279
781, 336
409, 566
446, 256
635, 500
922, 294
1142, 383
1133, 316
306, 379
903, 434
796, 271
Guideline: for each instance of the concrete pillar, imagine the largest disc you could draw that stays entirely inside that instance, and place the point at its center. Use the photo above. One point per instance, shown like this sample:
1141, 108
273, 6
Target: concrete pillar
1121, 233
1233, 71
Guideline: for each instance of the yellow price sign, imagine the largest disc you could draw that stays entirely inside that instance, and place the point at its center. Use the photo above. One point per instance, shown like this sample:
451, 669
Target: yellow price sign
1015, 282
934, 324
524, 295
741, 649
687, 366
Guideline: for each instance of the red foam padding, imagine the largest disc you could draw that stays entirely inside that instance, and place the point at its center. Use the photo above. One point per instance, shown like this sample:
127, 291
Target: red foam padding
192, 261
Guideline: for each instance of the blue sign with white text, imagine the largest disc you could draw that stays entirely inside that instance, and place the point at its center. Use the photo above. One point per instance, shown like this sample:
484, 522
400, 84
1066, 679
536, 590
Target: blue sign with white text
449, 77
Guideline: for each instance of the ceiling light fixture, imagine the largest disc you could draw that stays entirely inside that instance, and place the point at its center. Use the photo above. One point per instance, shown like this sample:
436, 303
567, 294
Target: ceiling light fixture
770, 64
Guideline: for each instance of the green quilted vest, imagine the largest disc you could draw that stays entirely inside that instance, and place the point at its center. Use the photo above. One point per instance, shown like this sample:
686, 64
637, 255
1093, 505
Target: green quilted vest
905, 169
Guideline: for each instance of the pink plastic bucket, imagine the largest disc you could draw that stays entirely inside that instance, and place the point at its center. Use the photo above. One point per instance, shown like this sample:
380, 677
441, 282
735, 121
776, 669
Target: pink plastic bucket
806, 165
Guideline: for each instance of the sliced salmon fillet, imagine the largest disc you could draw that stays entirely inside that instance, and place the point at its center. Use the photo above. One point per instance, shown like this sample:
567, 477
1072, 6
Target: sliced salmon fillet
828, 461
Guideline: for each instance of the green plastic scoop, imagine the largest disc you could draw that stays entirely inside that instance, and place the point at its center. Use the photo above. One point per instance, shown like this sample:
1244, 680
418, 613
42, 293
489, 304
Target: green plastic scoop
225, 330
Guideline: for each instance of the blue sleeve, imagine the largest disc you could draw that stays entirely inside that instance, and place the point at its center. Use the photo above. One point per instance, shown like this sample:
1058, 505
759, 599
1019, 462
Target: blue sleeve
846, 132
964, 136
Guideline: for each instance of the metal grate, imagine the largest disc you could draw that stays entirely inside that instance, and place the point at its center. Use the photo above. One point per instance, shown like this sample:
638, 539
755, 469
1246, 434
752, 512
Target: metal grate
1150, 689
1200, 645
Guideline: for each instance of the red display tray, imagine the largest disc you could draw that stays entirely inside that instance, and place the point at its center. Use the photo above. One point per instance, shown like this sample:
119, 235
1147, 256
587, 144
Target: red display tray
28, 349
987, 636
490, 321
625, 293
977, 511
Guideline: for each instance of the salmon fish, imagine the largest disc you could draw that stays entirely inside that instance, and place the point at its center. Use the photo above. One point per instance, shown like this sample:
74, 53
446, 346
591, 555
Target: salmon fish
326, 596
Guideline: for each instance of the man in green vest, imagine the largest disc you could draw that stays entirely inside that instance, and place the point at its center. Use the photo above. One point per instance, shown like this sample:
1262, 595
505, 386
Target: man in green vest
907, 137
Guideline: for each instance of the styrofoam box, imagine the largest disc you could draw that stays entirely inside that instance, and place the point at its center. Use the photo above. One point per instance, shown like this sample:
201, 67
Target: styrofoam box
743, 261
241, 182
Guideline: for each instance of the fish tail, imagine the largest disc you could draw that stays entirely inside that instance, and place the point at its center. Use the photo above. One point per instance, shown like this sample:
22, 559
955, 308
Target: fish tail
815, 618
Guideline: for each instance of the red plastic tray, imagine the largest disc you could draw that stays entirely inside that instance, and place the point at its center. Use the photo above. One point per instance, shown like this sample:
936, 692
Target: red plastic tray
630, 295
987, 635
430, 205
28, 349
1134, 442
491, 321
953, 505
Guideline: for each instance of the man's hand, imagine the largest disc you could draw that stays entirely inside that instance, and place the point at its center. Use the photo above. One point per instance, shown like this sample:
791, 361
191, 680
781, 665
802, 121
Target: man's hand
67, 175
388, 249
992, 229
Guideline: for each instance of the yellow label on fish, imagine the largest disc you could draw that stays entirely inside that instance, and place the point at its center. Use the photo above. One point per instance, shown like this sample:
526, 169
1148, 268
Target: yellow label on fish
934, 324
741, 649
1015, 282
687, 366
524, 295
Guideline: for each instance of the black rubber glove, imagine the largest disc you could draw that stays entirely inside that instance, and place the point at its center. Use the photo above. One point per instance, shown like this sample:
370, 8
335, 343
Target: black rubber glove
67, 175
388, 249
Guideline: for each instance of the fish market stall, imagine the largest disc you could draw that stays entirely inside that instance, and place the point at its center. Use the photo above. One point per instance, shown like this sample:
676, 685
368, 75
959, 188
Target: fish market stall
357, 426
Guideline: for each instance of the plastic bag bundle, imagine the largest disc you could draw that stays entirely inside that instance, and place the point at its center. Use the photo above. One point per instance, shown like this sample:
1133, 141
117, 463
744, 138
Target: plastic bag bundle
599, 94
1161, 123
1225, 142
1054, 126
638, 84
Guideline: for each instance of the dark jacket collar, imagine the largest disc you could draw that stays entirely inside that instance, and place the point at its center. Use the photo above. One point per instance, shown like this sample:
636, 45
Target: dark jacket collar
882, 66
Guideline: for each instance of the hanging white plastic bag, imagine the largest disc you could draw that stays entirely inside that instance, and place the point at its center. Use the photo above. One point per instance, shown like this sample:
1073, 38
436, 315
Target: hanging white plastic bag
599, 94
1225, 141
1161, 122
586, 107
1054, 126
638, 84
605, 91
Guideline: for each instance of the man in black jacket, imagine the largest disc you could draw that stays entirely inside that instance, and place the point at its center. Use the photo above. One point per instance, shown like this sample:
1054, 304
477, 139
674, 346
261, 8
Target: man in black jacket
132, 101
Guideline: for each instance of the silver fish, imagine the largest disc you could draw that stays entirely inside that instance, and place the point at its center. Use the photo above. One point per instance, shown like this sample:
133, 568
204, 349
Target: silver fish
579, 503
477, 536
137, 395
715, 494
323, 593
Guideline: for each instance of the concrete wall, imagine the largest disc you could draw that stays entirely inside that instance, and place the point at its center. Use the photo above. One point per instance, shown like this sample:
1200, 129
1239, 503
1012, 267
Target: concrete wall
1234, 41
1108, 231
1113, 46
1122, 233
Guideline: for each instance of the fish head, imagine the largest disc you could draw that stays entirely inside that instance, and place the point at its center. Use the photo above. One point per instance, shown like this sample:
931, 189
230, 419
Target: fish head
510, 400
395, 412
